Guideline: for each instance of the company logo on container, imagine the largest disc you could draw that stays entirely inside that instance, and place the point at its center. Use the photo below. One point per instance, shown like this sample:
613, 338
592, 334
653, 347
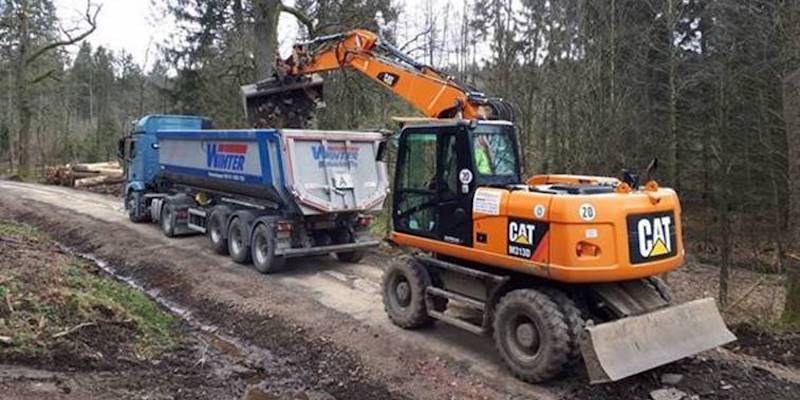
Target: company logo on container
228, 156
337, 155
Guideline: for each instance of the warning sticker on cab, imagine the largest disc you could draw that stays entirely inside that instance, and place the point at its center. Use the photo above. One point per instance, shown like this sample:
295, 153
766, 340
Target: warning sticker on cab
487, 201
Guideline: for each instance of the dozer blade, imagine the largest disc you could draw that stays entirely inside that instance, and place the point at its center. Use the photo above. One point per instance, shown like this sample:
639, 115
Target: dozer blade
289, 102
628, 346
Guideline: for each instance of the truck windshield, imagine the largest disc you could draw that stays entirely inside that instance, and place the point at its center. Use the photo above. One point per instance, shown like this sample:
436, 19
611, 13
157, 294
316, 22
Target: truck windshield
494, 151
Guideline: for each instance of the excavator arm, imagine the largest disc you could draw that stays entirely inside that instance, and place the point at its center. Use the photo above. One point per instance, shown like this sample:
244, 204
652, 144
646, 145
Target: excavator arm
433, 93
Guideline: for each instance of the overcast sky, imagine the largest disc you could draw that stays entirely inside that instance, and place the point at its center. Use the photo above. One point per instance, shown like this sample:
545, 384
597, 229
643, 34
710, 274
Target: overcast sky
137, 26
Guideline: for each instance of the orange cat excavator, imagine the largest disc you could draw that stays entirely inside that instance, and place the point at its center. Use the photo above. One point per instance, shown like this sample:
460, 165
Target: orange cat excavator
555, 267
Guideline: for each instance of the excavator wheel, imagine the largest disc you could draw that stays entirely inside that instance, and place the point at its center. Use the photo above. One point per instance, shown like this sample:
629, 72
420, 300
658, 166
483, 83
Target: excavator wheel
574, 318
532, 335
404, 285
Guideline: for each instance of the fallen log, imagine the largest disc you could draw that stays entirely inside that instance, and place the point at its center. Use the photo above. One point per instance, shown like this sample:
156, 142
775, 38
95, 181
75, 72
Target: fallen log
95, 167
98, 180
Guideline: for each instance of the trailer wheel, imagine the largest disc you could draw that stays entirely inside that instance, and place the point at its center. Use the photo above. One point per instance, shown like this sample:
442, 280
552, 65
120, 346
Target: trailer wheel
342, 236
350, 256
216, 227
132, 203
240, 252
168, 220
404, 285
263, 250
532, 335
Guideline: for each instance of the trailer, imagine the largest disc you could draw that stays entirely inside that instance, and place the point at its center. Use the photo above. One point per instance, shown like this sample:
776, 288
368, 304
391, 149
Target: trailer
260, 195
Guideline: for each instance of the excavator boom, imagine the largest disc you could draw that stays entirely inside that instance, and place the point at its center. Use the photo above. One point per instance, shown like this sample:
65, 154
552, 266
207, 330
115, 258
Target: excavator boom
295, 92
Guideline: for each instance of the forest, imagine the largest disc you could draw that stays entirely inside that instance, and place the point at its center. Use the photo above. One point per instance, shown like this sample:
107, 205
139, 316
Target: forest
598, 87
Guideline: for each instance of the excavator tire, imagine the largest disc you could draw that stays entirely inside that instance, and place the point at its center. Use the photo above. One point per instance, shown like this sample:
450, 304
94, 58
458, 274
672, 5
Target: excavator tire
532, 335
574, 319
404, 285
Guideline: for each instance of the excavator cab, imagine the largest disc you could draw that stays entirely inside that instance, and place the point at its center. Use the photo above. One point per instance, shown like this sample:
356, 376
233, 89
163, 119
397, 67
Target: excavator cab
440, 165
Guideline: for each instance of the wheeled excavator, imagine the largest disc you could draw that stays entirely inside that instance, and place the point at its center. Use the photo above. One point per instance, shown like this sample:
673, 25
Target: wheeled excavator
556, 268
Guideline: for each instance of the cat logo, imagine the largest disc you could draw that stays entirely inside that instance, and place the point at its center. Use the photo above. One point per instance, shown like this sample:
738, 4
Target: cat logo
521, 233
388, 78
525, 237
654, 237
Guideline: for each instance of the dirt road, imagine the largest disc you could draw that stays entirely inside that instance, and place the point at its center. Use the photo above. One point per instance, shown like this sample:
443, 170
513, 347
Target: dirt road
326, 318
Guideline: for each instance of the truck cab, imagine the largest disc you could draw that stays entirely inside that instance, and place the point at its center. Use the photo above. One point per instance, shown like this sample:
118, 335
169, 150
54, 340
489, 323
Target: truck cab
139, 153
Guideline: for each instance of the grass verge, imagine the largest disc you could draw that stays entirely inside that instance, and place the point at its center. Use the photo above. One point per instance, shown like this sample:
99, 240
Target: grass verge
52, 302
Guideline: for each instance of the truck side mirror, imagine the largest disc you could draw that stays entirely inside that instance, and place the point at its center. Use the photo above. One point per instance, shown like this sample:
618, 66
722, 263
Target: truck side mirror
121, 149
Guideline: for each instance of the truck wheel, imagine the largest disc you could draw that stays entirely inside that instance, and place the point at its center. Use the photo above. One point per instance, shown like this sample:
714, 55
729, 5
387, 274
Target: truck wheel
240, 252
216, 227
168, 220
263, 250
532, 335
404, 285
132, 203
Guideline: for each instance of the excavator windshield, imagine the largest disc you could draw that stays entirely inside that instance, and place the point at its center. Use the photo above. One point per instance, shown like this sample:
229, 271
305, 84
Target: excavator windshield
495, 151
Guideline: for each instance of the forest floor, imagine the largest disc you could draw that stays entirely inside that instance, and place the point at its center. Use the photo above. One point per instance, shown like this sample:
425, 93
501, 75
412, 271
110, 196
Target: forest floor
316, 331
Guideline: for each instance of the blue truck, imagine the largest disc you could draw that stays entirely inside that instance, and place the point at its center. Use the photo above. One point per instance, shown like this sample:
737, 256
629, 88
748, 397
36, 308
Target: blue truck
260, 195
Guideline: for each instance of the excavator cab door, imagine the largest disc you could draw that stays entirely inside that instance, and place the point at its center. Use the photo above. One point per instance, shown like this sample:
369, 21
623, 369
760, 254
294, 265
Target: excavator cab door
434, 184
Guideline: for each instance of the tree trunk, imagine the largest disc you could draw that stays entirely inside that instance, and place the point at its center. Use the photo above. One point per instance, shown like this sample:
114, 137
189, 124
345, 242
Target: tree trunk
791, 115
267, 14
23, 92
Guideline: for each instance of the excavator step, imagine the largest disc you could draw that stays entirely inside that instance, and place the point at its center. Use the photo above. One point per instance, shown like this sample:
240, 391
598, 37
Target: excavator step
466, 300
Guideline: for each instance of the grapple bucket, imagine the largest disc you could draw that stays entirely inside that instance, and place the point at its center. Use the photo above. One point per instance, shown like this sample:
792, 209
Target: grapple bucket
628, 346
289, 102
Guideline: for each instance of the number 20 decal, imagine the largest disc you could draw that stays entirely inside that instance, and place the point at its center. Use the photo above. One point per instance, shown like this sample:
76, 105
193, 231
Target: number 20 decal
587, 212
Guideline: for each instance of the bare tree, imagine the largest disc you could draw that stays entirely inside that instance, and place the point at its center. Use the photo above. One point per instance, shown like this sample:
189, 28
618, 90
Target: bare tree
28, 53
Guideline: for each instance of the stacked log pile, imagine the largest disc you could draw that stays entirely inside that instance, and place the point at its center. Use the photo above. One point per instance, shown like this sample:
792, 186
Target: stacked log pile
85, 175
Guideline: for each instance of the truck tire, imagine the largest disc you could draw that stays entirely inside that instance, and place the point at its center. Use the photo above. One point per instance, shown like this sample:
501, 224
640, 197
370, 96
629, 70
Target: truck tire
404, 285
168, 220
216, 229
263, 250
240, 251
342, 236
532, 335
133, 205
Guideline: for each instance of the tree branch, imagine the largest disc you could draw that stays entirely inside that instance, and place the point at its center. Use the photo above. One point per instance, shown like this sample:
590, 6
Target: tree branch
301, 17
91, 19
42, 77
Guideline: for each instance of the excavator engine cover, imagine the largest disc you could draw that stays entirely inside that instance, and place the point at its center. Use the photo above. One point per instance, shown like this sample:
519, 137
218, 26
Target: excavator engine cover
633, 344
288, 102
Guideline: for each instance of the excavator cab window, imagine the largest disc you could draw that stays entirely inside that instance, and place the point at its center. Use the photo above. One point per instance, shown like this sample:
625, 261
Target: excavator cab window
494, 152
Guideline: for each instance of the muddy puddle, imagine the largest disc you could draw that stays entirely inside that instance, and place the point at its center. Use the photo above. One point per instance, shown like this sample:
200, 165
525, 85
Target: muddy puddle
267, 375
